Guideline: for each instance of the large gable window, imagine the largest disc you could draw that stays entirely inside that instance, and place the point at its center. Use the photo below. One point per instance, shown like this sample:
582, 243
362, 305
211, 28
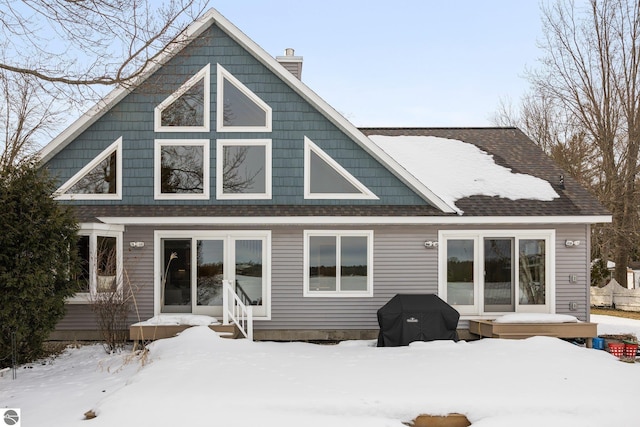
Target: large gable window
243, 169
238, 108
182, 169
324, 178
338, 263
99, 179
187, 109
497, 272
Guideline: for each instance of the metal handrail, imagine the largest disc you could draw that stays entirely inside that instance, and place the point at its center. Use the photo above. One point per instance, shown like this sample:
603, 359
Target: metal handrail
235, 311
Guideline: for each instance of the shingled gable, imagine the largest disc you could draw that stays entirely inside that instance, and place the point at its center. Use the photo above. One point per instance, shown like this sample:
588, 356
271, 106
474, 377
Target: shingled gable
213, 17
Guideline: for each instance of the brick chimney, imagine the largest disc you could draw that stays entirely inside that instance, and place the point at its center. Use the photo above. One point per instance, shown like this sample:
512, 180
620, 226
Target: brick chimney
291, 62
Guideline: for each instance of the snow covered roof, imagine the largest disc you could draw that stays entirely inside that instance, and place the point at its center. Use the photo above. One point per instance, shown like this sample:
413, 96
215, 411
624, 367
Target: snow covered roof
487, 172
454, 169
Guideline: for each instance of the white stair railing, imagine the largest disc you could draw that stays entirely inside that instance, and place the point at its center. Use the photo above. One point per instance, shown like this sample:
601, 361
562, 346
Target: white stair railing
234, 311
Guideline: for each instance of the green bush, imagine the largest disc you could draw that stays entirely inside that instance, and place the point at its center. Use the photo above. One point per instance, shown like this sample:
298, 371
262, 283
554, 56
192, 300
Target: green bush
36, 263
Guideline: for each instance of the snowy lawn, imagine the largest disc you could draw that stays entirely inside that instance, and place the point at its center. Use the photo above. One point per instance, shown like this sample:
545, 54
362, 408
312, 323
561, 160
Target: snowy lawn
198, 379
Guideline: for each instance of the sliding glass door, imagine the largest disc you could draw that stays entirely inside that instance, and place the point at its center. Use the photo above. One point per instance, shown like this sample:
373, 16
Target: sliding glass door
492, 272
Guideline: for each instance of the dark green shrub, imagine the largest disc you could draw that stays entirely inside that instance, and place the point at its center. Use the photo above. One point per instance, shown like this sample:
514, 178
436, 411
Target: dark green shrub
36, 263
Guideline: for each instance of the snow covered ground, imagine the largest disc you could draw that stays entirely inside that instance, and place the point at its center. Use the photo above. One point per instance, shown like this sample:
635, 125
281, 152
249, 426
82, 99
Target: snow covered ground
198, 379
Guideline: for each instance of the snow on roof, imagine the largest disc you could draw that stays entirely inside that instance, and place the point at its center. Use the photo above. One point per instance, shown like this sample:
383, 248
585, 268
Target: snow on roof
454, 169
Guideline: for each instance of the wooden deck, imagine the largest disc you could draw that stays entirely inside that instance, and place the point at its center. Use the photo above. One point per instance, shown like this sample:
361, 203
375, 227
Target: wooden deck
152, 333
489, 329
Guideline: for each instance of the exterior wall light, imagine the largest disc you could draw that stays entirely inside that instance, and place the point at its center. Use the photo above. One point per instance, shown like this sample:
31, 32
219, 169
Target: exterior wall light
430, 244
136, 244
569, 243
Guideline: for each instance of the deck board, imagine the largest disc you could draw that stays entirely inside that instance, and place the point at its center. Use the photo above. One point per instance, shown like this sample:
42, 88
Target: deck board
152, 332
489, 329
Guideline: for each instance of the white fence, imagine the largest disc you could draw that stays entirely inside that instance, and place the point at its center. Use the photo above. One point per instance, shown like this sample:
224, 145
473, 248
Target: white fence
614, 295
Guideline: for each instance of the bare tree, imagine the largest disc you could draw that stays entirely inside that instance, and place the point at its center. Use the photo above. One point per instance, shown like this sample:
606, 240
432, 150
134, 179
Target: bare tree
90, 42
59, 54
586, 108
26, 114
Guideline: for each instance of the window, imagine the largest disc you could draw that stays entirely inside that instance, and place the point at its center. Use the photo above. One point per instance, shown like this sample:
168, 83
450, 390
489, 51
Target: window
100, 251
238, 108
243, 169
338, 263
187, 109
491, 272
181, 169
100, 179
324, 178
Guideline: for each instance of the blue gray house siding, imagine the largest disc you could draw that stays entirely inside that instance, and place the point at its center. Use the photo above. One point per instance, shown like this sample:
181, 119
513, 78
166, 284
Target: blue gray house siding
293, 119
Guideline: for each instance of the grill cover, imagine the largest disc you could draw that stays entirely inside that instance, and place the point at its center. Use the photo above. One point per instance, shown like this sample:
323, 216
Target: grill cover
416, 317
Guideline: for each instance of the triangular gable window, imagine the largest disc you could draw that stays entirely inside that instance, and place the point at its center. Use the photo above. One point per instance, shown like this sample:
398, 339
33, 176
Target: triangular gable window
238, 108
324, 178
99, 179
187, 109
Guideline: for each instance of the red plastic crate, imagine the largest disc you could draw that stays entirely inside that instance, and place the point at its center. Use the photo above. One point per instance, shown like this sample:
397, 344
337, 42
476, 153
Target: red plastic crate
616, 348
630, 350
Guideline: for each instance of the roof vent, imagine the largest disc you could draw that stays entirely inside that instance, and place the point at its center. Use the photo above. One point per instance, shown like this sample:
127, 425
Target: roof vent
291, 62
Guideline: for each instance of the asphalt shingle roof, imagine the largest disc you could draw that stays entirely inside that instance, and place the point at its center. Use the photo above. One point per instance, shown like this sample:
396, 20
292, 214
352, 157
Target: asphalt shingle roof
511, 148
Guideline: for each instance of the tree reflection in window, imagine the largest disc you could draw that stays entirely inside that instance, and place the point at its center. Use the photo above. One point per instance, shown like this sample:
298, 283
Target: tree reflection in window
532, 272
182, 169
187, 110
244, 169
100, 180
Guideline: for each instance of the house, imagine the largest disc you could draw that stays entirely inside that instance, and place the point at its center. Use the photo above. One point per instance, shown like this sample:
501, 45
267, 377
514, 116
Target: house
221, 164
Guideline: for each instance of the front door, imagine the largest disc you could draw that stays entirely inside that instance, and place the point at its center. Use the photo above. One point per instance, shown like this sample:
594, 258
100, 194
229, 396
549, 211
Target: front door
195, 268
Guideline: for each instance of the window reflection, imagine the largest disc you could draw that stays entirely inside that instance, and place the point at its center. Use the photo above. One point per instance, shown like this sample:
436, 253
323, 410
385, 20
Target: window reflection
239, 109
182, 169
100, 180
187, 110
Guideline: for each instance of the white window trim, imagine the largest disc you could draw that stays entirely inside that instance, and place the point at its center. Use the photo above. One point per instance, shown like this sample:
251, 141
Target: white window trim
309, 146
220, 144
94, 230
229, 236
157, 163
204, 74
338, 293
220, 127
476, 311
116, 146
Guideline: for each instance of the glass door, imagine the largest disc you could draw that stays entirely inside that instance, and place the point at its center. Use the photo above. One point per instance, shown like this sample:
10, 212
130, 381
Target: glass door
176, 278
249, 275
210, 272
499, 292
194, 269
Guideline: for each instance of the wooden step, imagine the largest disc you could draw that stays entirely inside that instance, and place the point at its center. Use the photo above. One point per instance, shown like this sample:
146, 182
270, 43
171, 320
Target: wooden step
152, 332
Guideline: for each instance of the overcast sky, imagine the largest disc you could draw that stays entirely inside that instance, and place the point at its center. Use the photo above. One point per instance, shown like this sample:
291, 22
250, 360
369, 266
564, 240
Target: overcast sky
404, 63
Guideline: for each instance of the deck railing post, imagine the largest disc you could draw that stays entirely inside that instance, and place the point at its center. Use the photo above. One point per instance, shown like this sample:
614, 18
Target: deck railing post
249, 324
225, 302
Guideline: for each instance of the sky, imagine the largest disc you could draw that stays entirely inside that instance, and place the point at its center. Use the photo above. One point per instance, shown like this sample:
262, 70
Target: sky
422, 63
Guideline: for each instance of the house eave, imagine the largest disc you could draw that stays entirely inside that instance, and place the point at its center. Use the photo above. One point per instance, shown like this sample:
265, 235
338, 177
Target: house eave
368, 220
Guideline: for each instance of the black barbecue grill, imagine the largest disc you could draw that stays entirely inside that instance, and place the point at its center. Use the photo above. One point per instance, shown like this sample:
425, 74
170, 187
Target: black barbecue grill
416, 317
